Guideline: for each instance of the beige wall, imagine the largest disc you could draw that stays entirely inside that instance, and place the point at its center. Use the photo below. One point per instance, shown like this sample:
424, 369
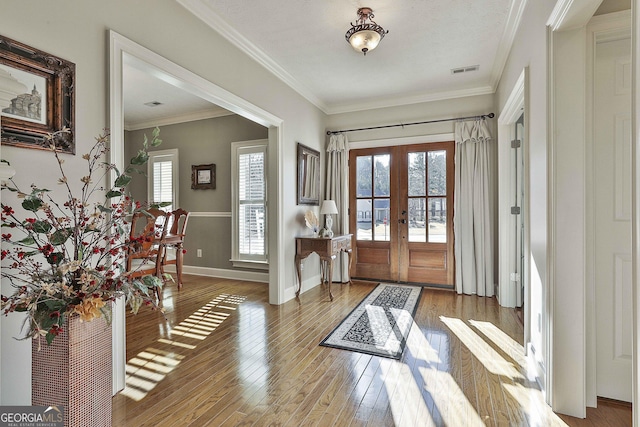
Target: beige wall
201, 142
76, 30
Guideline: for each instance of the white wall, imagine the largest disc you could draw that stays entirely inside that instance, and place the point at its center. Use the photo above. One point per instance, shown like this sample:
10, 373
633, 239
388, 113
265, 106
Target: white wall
530, 49
76, 30
458, 107
556, 61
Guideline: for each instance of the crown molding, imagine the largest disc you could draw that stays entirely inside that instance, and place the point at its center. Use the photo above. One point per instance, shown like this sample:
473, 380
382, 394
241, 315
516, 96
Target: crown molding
408, 100
506, 42
200, 9
175, 119
571, 14
203, 11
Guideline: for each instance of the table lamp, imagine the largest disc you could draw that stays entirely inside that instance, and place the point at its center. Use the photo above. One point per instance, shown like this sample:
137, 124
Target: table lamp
328, 208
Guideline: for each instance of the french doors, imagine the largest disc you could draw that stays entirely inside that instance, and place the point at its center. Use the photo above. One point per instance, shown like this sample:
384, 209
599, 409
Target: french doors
401, 211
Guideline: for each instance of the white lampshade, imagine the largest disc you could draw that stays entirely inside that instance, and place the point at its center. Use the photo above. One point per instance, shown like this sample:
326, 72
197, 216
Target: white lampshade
365, 40
365, 34
328, 207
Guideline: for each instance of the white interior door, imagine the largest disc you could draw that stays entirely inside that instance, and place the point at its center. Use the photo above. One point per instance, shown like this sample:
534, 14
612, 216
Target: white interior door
612, 215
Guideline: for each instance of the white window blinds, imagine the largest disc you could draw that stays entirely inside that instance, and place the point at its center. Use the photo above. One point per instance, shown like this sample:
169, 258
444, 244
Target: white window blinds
162, 182
163, 173
250, 202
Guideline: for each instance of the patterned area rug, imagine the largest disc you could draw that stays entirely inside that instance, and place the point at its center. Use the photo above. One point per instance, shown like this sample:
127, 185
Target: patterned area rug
380, 324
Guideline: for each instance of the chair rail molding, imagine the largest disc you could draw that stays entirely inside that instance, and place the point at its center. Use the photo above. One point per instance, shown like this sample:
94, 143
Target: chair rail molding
210, 214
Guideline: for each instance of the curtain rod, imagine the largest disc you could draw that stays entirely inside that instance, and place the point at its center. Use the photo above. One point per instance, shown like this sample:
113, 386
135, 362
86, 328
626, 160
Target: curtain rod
483, 116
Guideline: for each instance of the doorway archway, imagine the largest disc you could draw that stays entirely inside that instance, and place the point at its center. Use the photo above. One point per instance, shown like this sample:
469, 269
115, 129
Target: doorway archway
186, 80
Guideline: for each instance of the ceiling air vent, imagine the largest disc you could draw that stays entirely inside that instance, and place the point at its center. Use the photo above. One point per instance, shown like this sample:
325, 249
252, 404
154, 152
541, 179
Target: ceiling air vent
153, 103
465, 69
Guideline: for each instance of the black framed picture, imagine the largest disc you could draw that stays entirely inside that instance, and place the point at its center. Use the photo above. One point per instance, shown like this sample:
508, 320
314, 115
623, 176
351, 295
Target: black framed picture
40, 99
203, 177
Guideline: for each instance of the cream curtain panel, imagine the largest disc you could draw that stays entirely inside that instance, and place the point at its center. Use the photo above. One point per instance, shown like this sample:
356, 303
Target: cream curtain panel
337, 186
472, 220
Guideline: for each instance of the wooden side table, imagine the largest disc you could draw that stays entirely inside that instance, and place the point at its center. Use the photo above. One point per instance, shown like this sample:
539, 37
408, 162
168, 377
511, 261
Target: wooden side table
327, 248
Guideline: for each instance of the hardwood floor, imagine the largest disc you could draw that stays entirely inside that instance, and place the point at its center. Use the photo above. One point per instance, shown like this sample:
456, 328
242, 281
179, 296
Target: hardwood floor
223, 356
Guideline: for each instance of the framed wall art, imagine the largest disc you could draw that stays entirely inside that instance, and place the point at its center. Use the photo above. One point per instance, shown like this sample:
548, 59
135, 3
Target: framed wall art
308, 176
203, 177
37, 97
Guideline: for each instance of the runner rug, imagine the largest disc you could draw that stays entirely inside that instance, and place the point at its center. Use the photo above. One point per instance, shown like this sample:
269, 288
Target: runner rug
380, 324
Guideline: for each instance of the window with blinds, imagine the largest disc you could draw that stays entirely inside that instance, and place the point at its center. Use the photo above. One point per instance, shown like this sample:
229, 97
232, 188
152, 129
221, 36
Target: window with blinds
250, 202
163, 175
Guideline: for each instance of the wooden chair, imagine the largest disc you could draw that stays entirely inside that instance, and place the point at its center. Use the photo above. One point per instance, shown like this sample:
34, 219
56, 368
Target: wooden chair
174, 242
146, 251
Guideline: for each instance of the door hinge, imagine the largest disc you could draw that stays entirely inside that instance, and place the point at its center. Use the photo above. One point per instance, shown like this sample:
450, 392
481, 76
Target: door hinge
515, 210
515, 143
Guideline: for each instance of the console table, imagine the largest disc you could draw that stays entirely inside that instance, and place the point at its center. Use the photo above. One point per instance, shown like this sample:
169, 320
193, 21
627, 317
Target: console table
327, 248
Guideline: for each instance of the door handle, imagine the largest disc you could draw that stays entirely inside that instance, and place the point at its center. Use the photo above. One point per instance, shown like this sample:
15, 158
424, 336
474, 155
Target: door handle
402, 221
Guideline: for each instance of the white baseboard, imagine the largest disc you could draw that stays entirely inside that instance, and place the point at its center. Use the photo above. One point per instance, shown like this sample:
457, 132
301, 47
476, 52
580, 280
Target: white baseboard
249, 276
309, 283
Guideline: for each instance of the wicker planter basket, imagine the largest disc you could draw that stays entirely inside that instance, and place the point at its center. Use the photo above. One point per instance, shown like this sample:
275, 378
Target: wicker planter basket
75, 372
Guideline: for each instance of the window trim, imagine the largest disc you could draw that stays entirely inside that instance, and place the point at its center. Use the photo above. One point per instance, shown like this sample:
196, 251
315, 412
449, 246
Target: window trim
173, 154
238, 260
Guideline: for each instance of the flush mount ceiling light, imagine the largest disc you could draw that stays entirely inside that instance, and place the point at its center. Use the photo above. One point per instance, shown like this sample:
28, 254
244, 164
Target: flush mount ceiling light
364, 36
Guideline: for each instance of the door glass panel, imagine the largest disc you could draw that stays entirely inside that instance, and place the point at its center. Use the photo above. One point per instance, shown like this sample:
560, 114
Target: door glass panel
363, 173
381, 216
417, 174
437, 219
364, 219
417, 220
381, 175
437, 173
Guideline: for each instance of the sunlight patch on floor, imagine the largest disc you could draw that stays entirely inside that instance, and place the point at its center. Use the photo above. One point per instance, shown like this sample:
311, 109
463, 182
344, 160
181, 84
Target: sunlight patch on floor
532, 402
510, 346
530, 399
490, 358
418, 345
145, 370
405, 397
449, 401
446, 393
177, 344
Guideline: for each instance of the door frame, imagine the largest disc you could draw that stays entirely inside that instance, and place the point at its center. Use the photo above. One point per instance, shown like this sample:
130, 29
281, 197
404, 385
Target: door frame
515, 106
179, 76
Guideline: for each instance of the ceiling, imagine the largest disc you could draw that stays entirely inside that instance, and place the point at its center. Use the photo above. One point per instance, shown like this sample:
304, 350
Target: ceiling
303, 43
144, 87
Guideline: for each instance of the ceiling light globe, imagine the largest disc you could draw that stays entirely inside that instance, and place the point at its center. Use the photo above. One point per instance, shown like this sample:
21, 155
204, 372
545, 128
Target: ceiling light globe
365, 40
